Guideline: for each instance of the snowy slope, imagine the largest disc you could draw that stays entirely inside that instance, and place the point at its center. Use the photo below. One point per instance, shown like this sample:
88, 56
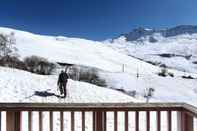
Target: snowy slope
102, 56
20, 86
154, 46
167, 89
74, 51
66, 50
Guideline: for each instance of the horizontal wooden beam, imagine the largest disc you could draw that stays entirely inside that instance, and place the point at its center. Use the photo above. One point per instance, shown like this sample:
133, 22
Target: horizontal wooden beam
89, 106
99, 107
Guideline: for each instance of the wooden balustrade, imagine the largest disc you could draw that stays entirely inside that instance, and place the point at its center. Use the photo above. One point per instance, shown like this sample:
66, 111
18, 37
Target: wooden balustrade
185, 115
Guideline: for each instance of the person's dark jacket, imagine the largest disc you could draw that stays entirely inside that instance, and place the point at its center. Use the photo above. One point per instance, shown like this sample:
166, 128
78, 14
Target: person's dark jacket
63, 77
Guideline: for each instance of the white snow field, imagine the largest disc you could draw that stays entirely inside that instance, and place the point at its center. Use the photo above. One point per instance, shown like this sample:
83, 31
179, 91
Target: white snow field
100, 55
180, 45
20, 86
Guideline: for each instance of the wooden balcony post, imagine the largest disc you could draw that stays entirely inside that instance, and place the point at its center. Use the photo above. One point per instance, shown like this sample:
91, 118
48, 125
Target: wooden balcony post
0, 120
94, 121
115, 121
61, 121
105, 121
179, 121
185, 122
148, 120
40, 121
72, 121
126, 121
13, 121
99, 121
169, 119
99, 118
83, 121
51, 121
136, 121
158, 121
29, 121
188, 123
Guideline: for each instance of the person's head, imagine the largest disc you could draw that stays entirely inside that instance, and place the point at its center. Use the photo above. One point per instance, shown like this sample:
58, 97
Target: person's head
62, 71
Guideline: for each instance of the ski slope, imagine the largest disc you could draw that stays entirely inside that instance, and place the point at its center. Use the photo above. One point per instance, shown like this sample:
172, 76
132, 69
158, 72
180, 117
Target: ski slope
102, 56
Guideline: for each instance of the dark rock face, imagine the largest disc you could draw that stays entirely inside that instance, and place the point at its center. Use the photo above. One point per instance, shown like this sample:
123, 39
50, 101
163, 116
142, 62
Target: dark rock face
152, 39
142, 32
138, 33
182, 29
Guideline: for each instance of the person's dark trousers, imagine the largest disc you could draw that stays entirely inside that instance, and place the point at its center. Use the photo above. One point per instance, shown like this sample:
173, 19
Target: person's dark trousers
63, 88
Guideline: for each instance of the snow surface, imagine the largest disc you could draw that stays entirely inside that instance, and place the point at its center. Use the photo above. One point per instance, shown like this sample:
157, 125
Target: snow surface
73, 51
102, 56
183, 45
20, 86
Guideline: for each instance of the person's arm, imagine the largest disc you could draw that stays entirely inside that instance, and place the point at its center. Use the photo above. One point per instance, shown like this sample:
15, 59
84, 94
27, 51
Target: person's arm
67, 73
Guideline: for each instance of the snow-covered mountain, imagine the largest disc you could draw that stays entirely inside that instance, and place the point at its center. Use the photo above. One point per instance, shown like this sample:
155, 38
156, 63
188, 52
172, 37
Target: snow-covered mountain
119, 69
137, 33
174, 47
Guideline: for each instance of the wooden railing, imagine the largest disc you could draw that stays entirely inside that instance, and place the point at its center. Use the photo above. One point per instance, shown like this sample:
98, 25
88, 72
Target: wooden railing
13, 122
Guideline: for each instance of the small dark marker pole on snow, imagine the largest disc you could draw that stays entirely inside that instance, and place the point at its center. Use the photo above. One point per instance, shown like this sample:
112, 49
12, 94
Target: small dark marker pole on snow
137, 73
123, 68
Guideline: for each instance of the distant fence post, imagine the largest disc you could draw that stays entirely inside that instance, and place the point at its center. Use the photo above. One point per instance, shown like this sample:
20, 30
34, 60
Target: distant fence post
123, 68
13, 121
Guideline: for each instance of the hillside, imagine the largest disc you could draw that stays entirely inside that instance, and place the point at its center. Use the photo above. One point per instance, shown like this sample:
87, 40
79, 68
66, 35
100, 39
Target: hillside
110, 58
21, 86
174, 47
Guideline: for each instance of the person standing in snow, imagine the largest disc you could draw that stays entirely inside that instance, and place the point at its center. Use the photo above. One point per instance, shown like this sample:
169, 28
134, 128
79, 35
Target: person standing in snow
62, 82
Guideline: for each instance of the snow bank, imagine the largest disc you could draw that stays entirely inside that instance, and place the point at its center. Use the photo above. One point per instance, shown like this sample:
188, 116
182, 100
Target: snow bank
20, 86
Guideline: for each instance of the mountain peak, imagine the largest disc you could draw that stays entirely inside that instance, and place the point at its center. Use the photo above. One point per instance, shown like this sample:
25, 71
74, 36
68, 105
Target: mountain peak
142, 29
140, 32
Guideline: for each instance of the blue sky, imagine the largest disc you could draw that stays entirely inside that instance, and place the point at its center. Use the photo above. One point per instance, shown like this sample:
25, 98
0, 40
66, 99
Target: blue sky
95, 19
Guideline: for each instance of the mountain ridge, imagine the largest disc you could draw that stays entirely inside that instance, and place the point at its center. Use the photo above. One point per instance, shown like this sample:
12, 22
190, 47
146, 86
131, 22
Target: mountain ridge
140, 32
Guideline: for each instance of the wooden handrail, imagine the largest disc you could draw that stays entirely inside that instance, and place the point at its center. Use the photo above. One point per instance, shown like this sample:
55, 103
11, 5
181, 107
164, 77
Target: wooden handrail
190, 109
95, 106
186, 113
